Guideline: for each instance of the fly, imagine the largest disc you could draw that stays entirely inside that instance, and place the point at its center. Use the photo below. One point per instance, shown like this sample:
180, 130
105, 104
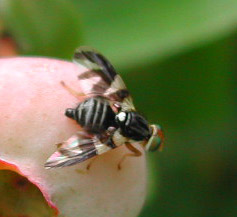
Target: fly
107, 116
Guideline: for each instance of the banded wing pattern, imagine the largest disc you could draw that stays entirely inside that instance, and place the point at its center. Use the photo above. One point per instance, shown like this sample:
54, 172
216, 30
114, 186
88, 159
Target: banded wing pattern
76, 149
101, 79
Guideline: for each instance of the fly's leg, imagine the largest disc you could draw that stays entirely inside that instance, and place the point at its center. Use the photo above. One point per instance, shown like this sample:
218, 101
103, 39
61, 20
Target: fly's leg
136, 153
83, 172
90, 163
72, 91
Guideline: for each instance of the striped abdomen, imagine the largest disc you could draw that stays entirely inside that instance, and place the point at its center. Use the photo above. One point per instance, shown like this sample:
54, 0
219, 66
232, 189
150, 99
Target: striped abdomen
94, 114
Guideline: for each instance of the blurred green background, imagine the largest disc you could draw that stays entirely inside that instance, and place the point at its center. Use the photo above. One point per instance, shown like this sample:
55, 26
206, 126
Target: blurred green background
179, 59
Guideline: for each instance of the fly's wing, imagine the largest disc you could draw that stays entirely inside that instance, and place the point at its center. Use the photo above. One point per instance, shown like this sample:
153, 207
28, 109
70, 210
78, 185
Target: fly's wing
101, 79
76, 149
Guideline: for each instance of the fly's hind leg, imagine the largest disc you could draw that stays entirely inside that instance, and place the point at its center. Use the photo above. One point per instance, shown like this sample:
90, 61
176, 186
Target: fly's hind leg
81, 171
90, 163
136, 153
72, 91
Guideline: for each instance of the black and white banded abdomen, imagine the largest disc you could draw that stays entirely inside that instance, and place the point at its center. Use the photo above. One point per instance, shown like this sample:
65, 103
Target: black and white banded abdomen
94, 114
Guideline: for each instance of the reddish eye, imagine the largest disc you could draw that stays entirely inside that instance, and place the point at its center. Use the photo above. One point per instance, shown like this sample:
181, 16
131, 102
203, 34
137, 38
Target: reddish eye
156, 140
156, 144
159, 140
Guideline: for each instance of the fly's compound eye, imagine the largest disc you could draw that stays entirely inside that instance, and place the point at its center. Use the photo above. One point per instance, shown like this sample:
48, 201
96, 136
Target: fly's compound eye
155, 144
156, 140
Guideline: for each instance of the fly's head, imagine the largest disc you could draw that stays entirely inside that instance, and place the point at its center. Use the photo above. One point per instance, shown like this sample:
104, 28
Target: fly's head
156, 141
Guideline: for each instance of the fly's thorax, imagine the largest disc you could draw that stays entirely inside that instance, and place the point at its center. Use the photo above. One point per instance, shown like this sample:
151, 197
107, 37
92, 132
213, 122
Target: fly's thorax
133, 125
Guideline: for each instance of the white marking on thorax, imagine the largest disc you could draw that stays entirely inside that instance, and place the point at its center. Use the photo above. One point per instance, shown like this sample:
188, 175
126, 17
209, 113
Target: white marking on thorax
121, 116
128, 119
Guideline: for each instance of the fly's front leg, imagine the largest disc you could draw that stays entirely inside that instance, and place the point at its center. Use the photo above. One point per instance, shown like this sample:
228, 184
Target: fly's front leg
72, 91
136, 153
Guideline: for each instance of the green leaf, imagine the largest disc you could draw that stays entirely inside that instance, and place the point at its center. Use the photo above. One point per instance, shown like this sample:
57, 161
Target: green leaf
193, 98
129, 33
1, 27
47, 28
140, 32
